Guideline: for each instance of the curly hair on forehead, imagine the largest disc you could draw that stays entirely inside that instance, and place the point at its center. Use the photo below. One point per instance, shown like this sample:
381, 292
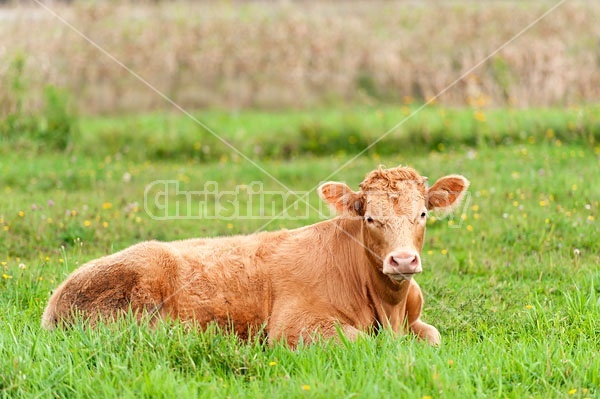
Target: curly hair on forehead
388, 179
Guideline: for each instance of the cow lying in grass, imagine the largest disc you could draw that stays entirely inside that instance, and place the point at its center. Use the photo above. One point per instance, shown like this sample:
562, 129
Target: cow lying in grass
352, 273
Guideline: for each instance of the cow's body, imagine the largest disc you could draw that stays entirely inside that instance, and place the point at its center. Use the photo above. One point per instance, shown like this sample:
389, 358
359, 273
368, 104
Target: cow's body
292, 283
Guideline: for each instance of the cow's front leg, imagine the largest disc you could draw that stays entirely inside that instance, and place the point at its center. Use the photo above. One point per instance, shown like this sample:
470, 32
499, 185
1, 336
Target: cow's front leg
299, 324
348, 331
414, 305
312, 331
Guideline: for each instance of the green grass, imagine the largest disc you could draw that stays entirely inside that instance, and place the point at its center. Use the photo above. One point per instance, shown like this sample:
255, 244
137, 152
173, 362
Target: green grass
514, 288
290, 134
284, 135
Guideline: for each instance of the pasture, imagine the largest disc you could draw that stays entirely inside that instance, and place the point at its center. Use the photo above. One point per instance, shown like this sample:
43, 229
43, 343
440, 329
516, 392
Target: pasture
512, 281
305, 92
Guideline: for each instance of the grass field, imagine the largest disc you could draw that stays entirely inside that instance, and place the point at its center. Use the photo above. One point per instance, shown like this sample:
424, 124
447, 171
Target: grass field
513, 284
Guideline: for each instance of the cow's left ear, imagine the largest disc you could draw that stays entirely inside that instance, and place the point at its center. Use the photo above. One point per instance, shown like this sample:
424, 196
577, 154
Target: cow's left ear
342, 198
447, 193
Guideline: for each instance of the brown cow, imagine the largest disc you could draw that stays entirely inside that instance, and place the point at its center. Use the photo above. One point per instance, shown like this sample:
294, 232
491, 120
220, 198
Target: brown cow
352, 273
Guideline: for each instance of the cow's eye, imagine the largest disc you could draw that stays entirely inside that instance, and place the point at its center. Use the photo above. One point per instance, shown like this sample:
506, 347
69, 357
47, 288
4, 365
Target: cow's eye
369, 219
423, 215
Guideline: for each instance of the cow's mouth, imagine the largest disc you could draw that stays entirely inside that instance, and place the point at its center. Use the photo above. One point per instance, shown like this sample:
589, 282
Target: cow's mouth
401, 276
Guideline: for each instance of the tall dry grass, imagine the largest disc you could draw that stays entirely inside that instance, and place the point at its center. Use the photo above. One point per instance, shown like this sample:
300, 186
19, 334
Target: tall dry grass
301, 54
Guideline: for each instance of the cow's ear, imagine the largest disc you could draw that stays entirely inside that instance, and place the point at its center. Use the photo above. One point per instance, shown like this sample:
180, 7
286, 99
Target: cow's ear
341, 198
447, 193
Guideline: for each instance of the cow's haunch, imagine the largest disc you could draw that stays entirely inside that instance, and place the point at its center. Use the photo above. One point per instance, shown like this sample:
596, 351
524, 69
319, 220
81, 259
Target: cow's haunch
353, 273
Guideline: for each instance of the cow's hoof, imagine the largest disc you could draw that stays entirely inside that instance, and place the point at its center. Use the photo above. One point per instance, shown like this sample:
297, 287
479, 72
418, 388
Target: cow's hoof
432, 336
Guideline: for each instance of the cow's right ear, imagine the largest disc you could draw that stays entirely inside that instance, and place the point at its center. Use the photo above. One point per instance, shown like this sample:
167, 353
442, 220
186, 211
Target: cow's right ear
341, 198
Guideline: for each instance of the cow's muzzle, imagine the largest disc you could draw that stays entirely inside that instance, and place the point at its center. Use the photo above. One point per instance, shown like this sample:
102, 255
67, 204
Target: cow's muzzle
402, 264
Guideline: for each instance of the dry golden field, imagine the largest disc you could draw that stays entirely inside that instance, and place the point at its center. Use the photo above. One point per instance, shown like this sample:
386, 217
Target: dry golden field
279, 55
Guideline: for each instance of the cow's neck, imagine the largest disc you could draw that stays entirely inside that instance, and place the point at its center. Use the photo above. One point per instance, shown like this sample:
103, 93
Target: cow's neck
383, 292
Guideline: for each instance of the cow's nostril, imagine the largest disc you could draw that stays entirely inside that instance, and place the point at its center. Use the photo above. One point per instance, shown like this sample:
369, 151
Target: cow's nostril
404, 262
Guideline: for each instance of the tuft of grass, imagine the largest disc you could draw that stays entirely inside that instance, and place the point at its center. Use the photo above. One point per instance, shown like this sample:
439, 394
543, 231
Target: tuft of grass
59, 123
53, 128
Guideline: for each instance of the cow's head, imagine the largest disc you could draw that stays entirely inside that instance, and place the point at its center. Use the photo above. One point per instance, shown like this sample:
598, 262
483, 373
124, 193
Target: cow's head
393, 205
